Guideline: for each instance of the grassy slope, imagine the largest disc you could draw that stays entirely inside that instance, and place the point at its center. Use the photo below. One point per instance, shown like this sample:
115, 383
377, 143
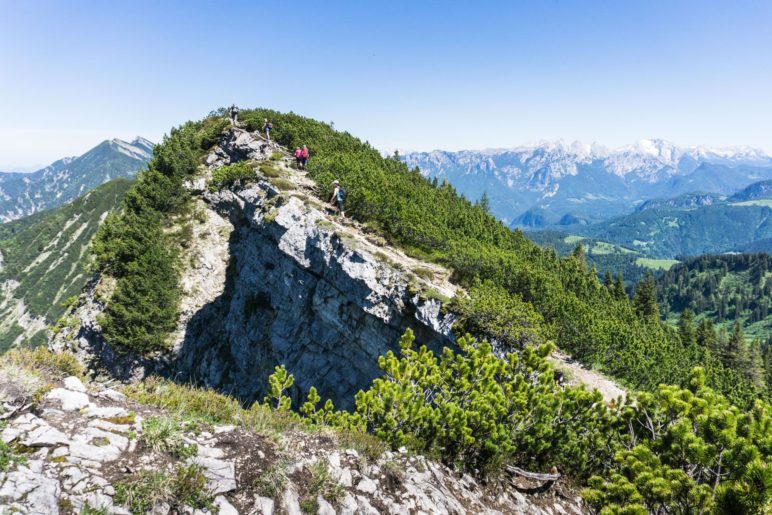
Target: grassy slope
46, 253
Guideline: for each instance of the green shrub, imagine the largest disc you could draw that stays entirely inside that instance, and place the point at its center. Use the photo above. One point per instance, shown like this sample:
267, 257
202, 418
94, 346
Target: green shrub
144, 491
269, 171
688, 451
283, 184
491, 313
164, 434
9, 457
228, 175
189, 487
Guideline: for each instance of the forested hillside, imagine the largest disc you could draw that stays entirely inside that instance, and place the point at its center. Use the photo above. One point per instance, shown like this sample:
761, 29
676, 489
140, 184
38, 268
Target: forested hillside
603, 256
669, 232
44, 262
482, 411
724, 289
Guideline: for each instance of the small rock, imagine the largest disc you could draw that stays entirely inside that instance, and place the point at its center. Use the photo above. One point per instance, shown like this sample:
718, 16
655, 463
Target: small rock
345, 478
220, 474
263, 505
224, 507
334, 459
74, 384
112, 395
45, 436
105, 412
352, 452
325, 508
367, 486
289, 501
223, 429
71, 401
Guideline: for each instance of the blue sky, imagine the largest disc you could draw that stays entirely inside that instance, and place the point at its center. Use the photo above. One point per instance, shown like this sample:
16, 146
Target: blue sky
411, 75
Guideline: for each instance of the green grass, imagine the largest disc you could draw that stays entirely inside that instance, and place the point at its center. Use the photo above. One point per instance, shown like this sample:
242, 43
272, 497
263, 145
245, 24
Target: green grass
572, 239
758, 202
165, 434
656, 264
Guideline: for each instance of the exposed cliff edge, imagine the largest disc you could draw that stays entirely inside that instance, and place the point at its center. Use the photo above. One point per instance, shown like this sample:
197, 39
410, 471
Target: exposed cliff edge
272, 278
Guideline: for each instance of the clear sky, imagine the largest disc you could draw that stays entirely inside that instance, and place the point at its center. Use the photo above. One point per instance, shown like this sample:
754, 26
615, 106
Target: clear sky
402, 74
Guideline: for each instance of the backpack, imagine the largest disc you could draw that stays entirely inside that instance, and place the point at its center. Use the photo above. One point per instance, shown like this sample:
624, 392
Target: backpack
341, 195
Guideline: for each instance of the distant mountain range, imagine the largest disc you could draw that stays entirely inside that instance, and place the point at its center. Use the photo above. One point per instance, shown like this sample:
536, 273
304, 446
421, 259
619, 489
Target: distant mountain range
22, 194
554, 184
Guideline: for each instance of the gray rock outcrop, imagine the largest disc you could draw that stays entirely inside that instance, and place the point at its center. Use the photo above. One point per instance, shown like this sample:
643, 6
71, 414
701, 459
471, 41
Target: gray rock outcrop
273, 279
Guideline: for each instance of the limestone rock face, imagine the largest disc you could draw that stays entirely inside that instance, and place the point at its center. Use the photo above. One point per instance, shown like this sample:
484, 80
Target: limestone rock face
272, 278
301, 293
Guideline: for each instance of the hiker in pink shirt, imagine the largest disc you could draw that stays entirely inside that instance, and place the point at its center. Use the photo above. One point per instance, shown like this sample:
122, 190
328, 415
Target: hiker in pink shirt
304, 157
298, 156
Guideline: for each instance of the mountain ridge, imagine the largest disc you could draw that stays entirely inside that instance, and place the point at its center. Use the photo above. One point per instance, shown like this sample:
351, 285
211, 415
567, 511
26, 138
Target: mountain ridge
70, 177
590, 182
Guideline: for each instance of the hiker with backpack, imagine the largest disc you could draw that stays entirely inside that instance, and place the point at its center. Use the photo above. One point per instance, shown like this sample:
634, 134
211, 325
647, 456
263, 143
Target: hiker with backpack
234, 113
304, 157
298, 157
267, 127
338, 197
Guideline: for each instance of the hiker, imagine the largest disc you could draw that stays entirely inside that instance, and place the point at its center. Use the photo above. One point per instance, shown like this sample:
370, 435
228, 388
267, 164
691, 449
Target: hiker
304, 157
298, 156
234, 115
338, 197
267, 127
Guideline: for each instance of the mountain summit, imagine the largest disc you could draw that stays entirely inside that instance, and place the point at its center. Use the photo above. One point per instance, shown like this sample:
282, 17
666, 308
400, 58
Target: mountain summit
64, 180
590, 182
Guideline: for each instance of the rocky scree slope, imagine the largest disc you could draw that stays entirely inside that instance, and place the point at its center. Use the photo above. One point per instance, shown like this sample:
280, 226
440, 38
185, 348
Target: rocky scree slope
272, 278
87, 448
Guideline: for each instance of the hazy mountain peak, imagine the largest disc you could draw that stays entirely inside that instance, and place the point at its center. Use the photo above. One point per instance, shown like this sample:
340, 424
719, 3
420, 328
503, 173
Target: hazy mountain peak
70, 177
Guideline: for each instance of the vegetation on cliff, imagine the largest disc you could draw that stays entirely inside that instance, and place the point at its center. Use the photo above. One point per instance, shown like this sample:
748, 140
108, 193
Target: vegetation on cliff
471, 407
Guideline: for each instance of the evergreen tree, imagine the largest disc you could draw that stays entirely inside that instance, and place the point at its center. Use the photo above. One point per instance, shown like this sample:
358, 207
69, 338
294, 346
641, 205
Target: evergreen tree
645, 299
734, 355
706, 336
484, 203
754, 366
768, 367
579, 253
608, 281
686, 328
619, 287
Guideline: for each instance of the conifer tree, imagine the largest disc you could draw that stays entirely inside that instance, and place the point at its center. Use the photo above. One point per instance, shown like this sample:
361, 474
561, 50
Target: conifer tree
754, 366
645, 299
579, 254
484, 202
706, 336
608, 281
734, 354
619, 287
686, 328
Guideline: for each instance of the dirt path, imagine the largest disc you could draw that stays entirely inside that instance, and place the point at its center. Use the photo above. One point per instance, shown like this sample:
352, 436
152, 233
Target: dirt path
576, 374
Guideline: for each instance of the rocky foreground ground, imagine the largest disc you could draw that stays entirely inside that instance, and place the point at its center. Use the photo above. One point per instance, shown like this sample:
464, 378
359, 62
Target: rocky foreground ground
88, 449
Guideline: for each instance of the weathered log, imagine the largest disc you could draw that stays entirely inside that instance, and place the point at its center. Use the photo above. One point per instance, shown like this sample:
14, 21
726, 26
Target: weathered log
532, 475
